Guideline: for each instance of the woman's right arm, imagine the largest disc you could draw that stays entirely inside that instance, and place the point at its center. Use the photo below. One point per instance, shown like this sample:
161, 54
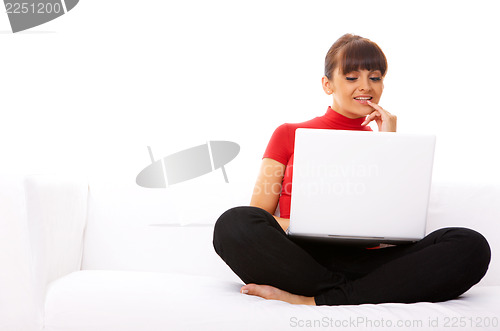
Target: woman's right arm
267, 188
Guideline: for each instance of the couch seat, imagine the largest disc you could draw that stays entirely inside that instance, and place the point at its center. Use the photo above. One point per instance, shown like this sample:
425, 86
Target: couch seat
138, 301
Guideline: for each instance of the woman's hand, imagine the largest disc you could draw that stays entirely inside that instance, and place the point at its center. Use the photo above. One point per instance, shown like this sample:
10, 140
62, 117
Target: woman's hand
386, 121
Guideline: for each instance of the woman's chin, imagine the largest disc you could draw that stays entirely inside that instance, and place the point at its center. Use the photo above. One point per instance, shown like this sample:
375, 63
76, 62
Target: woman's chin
365, 110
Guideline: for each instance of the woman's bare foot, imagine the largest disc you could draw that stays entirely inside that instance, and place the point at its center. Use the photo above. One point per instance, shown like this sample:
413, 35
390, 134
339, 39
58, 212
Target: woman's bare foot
273, 293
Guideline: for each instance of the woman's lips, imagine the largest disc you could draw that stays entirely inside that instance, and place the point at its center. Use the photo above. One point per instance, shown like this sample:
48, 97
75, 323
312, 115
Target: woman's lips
363, 100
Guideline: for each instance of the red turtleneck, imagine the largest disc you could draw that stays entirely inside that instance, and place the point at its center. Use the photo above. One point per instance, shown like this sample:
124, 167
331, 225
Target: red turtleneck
281, 145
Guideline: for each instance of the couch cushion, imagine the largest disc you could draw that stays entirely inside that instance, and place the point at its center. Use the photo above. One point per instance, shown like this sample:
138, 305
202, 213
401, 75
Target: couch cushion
129, 301
472, 205
163, 248
166, 230
132, 228
193, 202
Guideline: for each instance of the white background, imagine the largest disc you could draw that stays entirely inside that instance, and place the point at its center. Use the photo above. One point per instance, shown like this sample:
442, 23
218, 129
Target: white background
87, 92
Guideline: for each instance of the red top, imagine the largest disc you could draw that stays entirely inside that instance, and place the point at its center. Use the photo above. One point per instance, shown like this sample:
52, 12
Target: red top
281, 146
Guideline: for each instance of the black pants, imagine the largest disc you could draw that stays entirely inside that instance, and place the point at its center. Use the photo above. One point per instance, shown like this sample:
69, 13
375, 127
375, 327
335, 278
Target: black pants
443, 265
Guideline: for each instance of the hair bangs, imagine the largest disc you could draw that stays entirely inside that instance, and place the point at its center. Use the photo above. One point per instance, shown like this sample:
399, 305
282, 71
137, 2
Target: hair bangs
362, 54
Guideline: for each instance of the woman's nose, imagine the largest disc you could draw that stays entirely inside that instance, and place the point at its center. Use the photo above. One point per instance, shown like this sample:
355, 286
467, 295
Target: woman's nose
364, 85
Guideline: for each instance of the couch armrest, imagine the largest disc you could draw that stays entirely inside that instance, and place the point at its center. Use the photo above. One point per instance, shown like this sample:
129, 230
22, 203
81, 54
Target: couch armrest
56, 210
42, 221
18, 310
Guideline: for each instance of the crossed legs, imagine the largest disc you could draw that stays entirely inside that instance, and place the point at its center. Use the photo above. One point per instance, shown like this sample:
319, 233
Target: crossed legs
443, 265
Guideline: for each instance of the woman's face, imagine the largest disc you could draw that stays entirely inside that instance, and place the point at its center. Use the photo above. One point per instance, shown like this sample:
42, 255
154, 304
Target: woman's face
351, 90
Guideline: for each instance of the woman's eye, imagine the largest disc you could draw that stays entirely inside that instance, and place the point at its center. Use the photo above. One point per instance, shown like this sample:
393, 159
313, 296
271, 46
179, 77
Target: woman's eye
351, 78
375, 79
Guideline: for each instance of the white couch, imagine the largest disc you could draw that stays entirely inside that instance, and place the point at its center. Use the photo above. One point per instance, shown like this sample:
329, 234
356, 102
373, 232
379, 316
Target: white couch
81, 255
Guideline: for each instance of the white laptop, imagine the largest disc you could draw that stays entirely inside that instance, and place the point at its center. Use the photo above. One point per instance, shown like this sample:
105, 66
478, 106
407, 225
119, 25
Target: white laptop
360, 187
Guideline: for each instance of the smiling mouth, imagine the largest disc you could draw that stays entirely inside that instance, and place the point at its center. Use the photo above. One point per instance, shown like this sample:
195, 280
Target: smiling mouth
363, 98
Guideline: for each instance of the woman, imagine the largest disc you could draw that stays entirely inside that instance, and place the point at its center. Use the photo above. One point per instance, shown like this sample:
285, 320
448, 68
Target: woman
254, 243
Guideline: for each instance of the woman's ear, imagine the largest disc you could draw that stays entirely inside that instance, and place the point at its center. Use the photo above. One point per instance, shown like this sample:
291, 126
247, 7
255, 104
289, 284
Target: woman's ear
327, 85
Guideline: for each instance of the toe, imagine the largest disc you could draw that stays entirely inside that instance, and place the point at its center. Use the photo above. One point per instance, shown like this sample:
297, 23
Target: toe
245, 289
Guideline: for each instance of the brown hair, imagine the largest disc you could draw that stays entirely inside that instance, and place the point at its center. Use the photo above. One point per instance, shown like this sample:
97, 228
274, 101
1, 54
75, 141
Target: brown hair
353, 53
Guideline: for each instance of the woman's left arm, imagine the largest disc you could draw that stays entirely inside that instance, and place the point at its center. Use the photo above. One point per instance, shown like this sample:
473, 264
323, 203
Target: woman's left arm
386, 121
